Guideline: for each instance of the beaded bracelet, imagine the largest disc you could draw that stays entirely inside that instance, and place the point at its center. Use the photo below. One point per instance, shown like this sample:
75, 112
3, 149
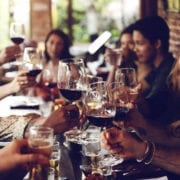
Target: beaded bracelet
149, 153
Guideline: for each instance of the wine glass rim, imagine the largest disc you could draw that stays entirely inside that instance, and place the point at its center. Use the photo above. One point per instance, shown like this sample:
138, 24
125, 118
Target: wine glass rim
41, 128
99, 82
72, 60
29, 48
127, 68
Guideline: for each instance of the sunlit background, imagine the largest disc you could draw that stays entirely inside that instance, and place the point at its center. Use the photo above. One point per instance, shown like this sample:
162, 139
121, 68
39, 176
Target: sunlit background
113, 15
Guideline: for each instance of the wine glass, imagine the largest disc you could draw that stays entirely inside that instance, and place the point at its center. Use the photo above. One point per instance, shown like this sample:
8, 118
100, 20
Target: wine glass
49, 80
71, 79
120, 98
91, 147
55, 158
40, 140
33, 64
127, 77
17, 32
99, 104
32, 61
113, 54
93, 79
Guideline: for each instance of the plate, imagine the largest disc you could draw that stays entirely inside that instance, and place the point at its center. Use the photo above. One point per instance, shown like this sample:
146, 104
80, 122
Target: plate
19, 105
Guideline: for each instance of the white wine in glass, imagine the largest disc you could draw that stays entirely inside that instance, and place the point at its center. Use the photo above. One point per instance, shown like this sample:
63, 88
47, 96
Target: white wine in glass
40, 140
127, 77
99, 104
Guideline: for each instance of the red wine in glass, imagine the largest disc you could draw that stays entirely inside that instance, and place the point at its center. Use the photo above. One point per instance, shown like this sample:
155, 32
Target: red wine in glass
121, 112
17, 32
50, 85
71, 78
17, 40
34, 72
101, 121
71, 94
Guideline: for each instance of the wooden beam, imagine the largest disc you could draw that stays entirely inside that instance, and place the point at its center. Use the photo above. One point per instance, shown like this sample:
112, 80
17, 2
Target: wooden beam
70, 20
148, 8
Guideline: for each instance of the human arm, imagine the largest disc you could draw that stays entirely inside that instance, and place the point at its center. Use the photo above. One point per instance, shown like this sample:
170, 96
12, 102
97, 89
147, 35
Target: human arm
9, 53
61, 120
167, 158
20, 82
121, 143
153, 130
15, 127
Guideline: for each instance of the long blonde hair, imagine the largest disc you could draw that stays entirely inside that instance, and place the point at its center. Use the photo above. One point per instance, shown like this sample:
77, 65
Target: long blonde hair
174, 76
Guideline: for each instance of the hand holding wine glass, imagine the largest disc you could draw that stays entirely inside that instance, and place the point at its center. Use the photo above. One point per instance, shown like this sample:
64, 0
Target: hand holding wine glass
113, 56
31, 63
40, 140
127, 77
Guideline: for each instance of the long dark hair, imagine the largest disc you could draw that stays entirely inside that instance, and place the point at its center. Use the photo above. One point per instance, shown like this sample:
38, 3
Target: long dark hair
154, 28
65, 51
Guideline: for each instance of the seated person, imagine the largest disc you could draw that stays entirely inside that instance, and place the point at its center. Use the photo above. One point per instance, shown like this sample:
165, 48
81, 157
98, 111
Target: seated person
56, 48
156, 144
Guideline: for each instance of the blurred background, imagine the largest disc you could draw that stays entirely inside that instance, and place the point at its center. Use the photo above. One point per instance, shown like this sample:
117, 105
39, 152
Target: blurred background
77, 17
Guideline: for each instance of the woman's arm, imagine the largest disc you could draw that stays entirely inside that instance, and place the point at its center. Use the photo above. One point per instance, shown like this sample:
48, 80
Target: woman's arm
167, 158
20, 82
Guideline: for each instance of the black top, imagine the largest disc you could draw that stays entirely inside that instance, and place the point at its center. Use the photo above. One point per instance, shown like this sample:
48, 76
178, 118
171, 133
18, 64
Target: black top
159, 97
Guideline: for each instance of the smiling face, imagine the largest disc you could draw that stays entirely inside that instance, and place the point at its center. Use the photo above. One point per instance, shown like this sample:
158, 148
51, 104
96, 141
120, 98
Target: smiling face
145, 50
54, 46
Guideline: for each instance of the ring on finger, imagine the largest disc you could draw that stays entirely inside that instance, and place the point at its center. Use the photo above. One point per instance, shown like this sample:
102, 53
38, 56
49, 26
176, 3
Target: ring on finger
23, 82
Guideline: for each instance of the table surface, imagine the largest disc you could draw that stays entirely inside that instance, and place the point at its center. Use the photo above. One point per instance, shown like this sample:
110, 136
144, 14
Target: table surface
23, 105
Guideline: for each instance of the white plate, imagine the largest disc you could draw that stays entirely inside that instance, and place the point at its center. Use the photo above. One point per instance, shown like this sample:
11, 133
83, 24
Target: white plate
7, 102
4, 143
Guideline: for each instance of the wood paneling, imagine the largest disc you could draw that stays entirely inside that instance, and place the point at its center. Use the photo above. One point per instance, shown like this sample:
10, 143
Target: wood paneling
40, 19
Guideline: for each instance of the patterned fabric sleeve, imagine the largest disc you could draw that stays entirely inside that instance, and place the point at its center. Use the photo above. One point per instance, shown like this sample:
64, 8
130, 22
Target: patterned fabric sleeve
13, 127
